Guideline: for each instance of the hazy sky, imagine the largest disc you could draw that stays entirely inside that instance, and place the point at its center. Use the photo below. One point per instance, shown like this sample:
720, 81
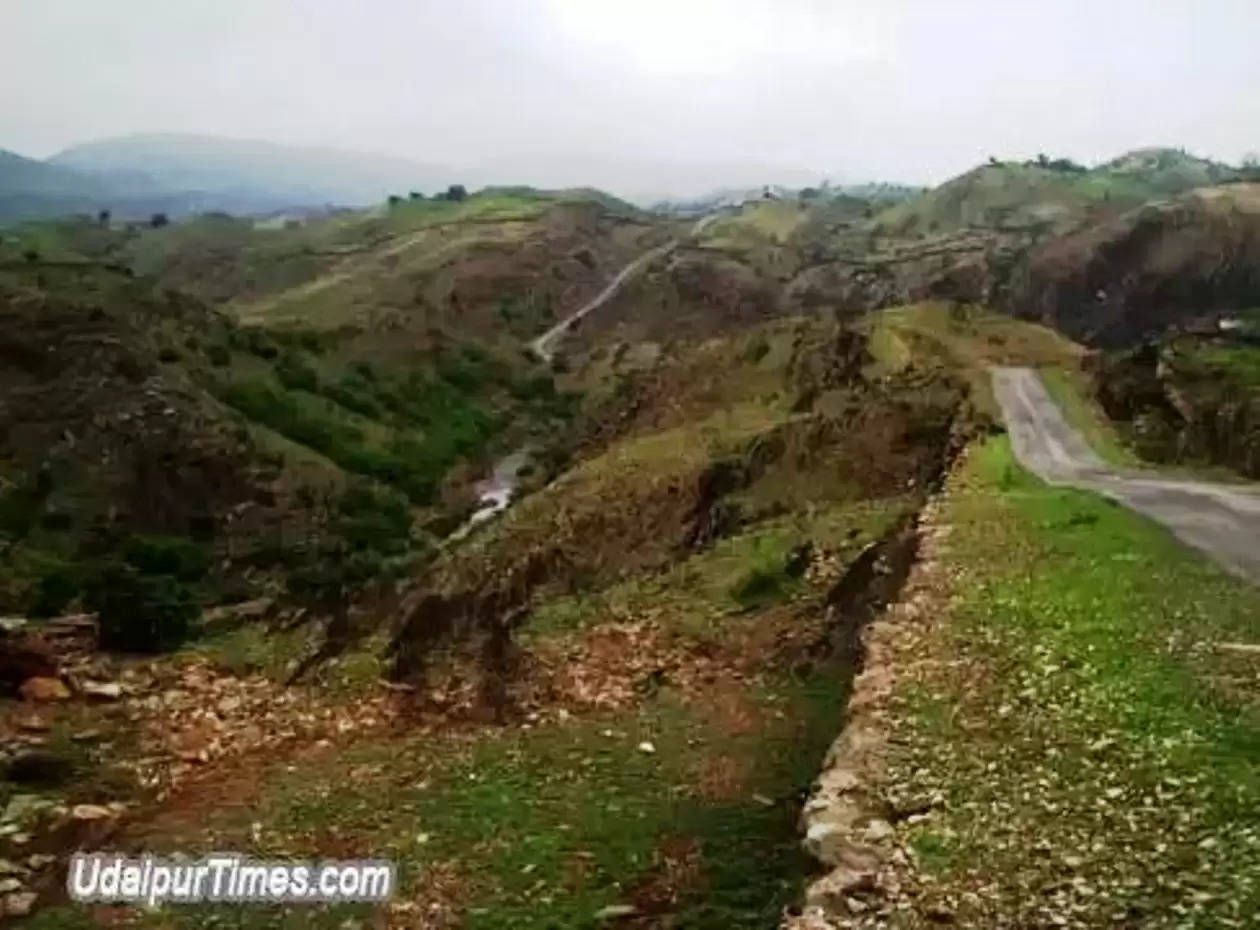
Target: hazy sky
629, 93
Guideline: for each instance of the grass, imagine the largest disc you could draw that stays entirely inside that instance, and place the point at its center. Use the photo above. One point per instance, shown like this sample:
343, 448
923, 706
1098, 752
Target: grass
965, 340
1068, 390
543, 827
544, 824
1238, 367
696, 596
1097, 758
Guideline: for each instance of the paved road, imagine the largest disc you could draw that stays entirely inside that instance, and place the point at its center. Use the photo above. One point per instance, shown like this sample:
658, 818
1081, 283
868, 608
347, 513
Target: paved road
545, 345
1221, 520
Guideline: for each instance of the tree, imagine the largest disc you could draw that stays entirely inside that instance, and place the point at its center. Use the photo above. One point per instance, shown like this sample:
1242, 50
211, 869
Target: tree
158, 220
416, 195
993, 161
367, 543
394, 200
456, 192
103, 217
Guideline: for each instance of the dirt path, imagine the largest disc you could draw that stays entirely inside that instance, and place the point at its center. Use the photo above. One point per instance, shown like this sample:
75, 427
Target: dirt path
1221, 520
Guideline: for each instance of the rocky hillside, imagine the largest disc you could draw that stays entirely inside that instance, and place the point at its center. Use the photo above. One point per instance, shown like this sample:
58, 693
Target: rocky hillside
1190, 399
1162, 264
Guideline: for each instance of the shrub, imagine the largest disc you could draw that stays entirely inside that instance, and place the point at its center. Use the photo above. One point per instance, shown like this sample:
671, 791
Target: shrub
218, 354
167, 555
770, 578
354, 393
755, 350
296, 373
137, 612
56, 588
257, 342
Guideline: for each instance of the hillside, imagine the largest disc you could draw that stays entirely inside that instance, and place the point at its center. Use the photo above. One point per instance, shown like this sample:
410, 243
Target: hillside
1128, 277
610, 606
31, 188
1054, 195
384, 346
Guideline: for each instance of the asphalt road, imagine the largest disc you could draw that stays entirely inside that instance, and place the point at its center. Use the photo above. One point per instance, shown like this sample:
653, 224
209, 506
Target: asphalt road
545, 345
1221, 520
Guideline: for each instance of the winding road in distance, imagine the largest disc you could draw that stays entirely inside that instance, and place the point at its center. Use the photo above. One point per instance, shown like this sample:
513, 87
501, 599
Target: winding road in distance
1221, 520
545, 345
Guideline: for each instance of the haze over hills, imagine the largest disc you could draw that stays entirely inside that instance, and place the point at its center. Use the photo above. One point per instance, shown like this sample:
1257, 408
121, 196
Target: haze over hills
183, 174
188, 174
264, 171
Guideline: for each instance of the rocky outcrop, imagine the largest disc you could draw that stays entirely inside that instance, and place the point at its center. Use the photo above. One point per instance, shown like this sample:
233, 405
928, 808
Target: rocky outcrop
1169, 263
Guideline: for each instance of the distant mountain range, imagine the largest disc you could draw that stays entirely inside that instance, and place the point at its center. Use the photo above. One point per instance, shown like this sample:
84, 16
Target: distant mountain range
136, 176
182, 174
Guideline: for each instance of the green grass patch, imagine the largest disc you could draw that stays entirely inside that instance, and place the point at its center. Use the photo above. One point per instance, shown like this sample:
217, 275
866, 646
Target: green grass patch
1099, 757
1069, 391
543, 827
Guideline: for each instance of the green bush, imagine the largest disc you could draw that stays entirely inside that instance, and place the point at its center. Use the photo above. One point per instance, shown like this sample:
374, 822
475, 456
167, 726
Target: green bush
757, 586
369, 536
181, 558
54, 591
218, 354
137, 612
257, 342
295, 373
770, 578
354, 393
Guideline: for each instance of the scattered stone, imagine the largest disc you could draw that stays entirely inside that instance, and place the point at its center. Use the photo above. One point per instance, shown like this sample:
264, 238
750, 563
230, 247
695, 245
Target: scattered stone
647, 747
229, 704
21, 807
103, 690
877, 830
90, 812
9, 884
19, 904
33, 723
43, 690
940, 914
613, 911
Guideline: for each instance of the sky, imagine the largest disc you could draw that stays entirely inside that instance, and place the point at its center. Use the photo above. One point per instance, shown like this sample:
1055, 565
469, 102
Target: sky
660, 95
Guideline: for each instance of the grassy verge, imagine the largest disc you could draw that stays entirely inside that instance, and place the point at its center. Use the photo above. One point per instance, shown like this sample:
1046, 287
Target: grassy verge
966, 340
1071, 394
1094, 756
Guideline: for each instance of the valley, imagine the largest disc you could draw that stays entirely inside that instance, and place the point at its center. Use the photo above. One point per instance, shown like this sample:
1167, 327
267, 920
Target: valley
561, 551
